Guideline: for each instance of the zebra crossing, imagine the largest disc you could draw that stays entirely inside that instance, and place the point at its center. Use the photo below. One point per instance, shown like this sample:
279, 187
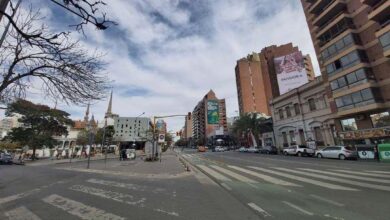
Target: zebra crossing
63, 202
331, 179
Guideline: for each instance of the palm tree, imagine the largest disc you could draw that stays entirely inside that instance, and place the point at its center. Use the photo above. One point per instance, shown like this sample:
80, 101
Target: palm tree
255, 122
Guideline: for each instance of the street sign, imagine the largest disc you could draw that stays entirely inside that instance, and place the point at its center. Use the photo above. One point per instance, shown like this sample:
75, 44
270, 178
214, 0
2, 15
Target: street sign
384, 152
161, 138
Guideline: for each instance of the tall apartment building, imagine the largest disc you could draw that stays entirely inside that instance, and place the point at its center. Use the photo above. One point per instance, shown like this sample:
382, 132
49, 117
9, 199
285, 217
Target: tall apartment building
256, 77
208, 117
352, 42
187, 129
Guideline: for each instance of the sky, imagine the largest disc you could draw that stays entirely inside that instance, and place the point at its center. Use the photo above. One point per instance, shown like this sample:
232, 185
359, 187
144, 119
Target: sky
165, 55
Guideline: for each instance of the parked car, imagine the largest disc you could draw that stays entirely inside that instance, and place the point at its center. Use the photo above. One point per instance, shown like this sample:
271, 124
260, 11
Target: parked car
243, 149
268, 150
253, 150
5, 158
340, 152
298, 150
201, 149
219, 149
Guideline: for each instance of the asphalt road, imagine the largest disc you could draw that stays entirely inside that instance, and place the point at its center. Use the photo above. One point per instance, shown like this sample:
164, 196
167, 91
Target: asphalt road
116, 191
288, 187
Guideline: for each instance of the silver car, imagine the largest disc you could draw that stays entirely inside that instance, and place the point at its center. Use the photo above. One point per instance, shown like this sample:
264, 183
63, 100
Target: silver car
340, 152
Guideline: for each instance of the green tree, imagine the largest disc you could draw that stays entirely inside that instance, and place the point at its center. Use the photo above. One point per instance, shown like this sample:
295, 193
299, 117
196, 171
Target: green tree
107, 136
82, 138
40, 124
254, 122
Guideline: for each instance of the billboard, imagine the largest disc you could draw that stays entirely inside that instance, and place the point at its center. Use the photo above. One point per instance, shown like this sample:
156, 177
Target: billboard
212, 112
290, 71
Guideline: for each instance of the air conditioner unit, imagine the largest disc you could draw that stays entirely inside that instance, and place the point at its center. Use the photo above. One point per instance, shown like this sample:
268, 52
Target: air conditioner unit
360, 117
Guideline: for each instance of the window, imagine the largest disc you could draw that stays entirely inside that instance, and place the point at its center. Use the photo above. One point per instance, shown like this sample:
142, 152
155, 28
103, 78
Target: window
292, 136
344, 62
367, 94
297, 109
281, 116
348, 124
380, 119
359, 75
385, 41
337, 47
312, 105
285, 141
318, 134
356, 98
288, 111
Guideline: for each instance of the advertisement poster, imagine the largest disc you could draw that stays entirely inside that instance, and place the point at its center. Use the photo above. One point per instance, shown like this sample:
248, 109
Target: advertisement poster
290, 71
212, 112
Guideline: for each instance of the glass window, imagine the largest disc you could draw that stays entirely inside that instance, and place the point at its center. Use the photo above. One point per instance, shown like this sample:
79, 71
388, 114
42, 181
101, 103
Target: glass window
288, 112
281, 116
385, 40
312, 105
334, 84
380, 119
325, 54
367, 94
330, 68
339, 45
348, 39
339, 102
360, 74
332, 49
351, 78
344, 60
347, 100
348, 124
297, 109
341, 82
357, 97
353, 56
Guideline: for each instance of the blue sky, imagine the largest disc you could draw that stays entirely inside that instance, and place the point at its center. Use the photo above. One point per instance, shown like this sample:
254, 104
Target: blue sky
164, 55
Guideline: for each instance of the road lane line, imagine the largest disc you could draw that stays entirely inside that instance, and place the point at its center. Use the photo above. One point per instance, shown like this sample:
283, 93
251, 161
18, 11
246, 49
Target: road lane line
382, 172
258, 209
79, 209
226, 186
214, 173
119, 197
21, 213
327, 200
335, 179
363, 173
129, 186
233, 174
298, 208
306, 180
265, 177
347, 176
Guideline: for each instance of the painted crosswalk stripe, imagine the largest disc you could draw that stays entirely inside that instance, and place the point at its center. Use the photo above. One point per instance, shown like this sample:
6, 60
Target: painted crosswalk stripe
234, 175
185, 156
259, 209
335, 179
382, 172
370, 179
365, 173
213, 173
189, 155
79, 209
264, 177
21, 213
327, 200
306, 180
119, 197
298, 208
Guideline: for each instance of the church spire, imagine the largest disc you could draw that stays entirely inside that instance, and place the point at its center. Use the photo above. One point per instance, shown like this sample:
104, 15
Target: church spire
109, 109
86, 117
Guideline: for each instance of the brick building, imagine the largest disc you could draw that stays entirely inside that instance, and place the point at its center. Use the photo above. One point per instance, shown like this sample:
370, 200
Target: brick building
352, 43
256, 78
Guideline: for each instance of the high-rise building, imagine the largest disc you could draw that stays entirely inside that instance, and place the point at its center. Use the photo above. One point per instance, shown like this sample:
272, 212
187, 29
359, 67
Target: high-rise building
208, 118
352, 43
257, 76
187, 129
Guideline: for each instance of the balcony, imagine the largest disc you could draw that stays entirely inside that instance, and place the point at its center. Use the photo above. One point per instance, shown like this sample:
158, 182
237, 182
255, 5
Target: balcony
328, 25
363, 107
380, 11
317, 6
370, 2
330, 11
383, 36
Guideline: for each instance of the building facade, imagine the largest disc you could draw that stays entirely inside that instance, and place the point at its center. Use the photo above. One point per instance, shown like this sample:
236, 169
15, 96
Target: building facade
208, 117
187, 129
131, 131
256, 78
352, 39
7, 123
302, 115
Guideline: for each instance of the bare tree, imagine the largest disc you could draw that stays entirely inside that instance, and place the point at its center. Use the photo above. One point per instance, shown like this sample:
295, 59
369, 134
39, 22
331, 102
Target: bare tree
89, 12
60, 67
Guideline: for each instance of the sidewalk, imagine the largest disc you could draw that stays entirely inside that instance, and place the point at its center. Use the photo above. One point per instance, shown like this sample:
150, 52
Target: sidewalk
169, 167
49, 161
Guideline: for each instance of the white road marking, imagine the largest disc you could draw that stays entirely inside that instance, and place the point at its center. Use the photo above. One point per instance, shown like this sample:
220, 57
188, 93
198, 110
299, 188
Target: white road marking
129, 186
265, 177
258, 209
306, 180
382, 172
383, 175
327, 200
298, 208
233, 174
166, 212
21, 213
226, 186
79, 209
119, 197
351, 182
347, 176
214, 173
189, 155
186, 156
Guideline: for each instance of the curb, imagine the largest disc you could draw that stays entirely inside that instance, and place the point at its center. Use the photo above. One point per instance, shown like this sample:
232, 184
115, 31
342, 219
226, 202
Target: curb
65, 162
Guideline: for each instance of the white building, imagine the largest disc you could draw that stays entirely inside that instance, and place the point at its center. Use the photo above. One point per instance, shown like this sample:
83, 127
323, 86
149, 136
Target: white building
7, 123
131, 129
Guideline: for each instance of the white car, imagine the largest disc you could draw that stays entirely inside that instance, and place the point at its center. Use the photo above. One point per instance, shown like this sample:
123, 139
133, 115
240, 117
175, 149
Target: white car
243, 149
253, 150
219, 149
298, 150
340, 152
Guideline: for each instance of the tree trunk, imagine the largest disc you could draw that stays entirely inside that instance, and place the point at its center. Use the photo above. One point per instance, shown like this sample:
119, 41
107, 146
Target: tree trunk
33, 154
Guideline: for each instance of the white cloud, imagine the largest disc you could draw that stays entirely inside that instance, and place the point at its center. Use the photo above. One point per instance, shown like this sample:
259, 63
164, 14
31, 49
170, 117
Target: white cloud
183, 50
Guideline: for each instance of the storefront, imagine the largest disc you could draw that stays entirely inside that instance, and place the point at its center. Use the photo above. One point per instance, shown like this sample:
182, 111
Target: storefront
366, 136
